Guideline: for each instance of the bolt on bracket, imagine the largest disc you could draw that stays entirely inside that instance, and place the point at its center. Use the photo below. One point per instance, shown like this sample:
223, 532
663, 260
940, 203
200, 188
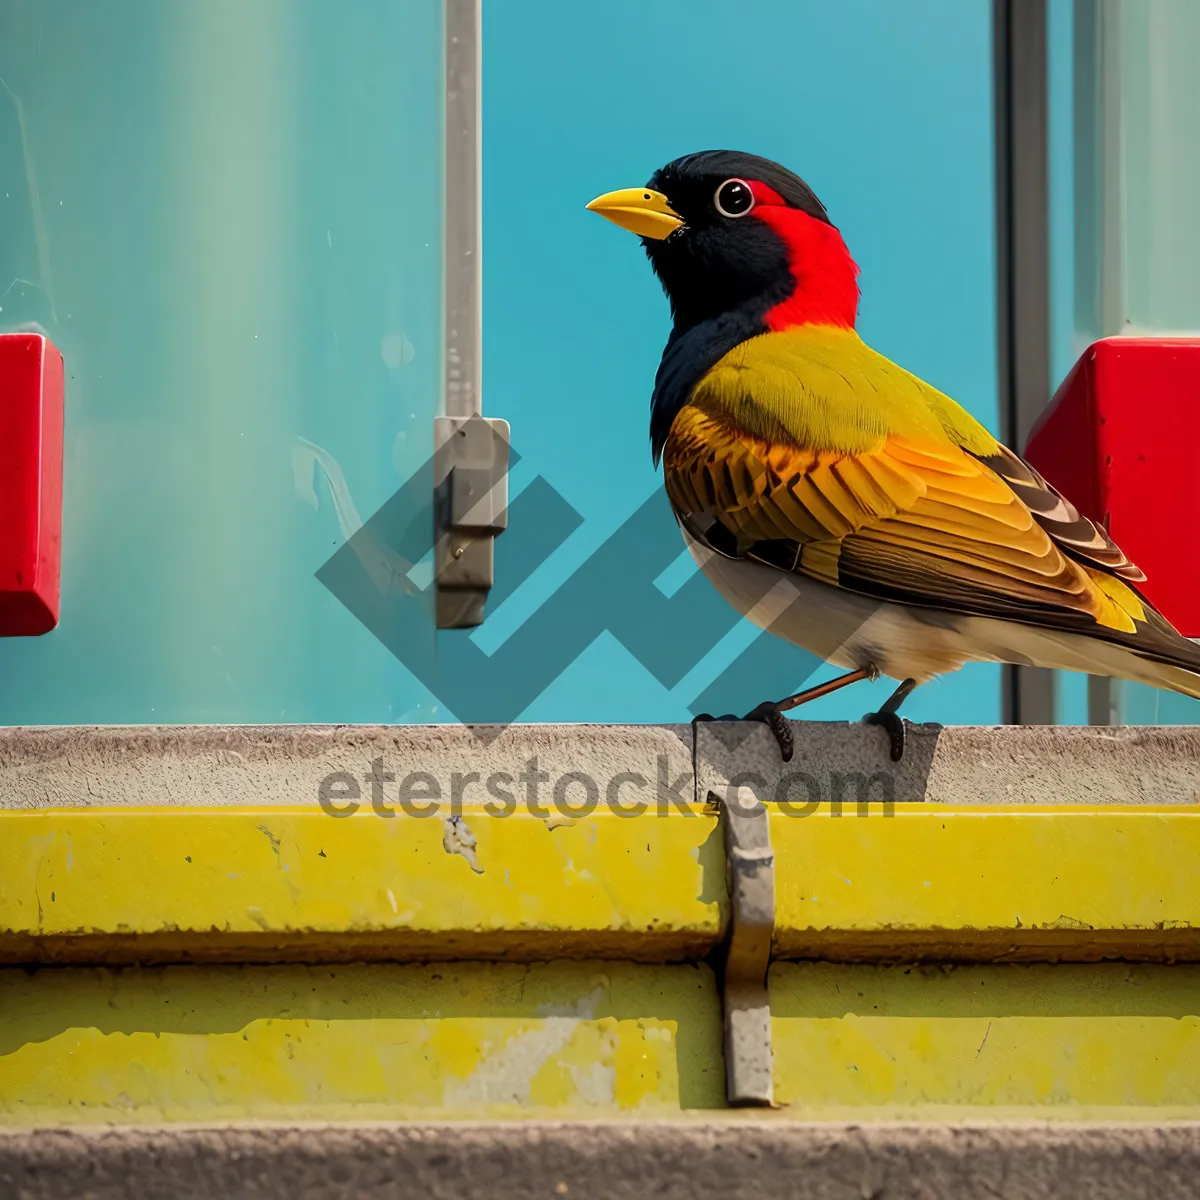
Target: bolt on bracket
750, 867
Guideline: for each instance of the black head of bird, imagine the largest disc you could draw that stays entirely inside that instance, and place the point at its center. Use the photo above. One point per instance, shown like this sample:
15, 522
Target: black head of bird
742, 246
730, 232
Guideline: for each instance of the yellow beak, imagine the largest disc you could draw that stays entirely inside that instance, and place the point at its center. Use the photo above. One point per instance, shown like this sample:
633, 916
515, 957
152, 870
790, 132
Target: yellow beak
639, 210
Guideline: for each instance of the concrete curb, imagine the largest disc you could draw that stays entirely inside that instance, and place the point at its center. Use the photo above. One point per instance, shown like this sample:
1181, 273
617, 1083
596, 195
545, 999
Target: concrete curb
219, 765
728, 1160
211, 766
959, 764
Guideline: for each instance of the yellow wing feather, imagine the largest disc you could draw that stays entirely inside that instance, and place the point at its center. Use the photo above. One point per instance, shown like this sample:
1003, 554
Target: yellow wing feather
817, 455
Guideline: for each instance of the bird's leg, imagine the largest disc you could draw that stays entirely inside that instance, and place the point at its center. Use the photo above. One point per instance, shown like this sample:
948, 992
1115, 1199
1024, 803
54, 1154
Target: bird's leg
888, 716
770, 712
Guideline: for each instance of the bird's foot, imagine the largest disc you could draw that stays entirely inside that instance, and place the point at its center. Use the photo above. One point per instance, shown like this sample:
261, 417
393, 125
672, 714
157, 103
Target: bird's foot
893, 724
770, 714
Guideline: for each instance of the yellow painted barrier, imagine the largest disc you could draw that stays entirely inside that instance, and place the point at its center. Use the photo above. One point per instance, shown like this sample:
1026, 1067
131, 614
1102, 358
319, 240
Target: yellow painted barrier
912, 881
357, 1041
586, 1039
112, 885
989, 884
1102, 1040
270, 1016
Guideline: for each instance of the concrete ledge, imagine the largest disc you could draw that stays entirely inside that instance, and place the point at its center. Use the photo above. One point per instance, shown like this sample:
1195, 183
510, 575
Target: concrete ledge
285, 765
269, 765
959, 764
725, 1161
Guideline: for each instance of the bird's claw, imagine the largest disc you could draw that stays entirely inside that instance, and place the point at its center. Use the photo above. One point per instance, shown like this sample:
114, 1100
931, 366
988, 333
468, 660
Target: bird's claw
893, 724
770, 715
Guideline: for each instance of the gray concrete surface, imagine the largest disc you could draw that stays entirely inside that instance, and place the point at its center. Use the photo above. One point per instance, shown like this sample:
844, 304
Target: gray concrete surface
746, 1160
962, 764
284, 765
212, 765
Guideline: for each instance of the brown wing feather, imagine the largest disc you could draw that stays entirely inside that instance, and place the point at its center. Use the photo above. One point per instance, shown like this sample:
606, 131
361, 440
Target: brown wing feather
915, 521
1081, 538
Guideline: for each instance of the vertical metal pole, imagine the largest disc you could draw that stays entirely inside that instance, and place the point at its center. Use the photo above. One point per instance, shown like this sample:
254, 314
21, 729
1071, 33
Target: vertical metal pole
1020, 76
1088, 164
470, 451
462, 238
1099, 291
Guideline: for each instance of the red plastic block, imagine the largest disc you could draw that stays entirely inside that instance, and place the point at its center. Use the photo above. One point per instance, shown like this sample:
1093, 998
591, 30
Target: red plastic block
31, 457
1121, 440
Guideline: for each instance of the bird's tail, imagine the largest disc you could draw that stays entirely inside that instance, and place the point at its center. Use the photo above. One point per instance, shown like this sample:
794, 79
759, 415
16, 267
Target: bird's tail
1177, 679
1170, 660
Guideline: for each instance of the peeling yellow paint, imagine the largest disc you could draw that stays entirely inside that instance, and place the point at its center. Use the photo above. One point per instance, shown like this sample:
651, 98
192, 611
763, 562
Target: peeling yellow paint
235, 883
593, 1038
368, 1041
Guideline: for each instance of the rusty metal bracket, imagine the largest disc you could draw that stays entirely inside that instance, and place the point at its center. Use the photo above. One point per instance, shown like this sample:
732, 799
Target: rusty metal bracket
750, 868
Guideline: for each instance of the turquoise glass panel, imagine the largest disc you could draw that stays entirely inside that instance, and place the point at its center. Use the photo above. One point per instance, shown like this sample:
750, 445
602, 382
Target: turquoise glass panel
884, 108
1124, 183
1142, 705
1159, 91
227, 217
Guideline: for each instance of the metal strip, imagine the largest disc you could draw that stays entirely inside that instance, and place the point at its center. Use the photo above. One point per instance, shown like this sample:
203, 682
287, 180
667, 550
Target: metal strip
1023, 277
471, 463
1099, 270
750, 864
462, 235
1088, 166
1104, 701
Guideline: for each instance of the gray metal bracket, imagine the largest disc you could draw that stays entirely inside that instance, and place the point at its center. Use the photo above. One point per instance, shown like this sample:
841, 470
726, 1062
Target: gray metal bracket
750, 867
470, 511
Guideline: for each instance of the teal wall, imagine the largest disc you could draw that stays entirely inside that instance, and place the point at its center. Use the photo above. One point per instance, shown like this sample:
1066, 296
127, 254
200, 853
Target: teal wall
226, 215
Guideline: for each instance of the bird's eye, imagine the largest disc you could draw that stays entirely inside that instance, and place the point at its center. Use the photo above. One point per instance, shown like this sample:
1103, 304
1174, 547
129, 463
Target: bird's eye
734, 198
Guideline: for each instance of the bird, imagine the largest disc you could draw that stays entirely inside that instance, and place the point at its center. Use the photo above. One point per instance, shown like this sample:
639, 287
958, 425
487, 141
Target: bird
835, 498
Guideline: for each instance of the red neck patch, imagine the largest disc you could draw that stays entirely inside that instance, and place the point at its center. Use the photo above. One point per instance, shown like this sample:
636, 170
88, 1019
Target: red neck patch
826, 291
